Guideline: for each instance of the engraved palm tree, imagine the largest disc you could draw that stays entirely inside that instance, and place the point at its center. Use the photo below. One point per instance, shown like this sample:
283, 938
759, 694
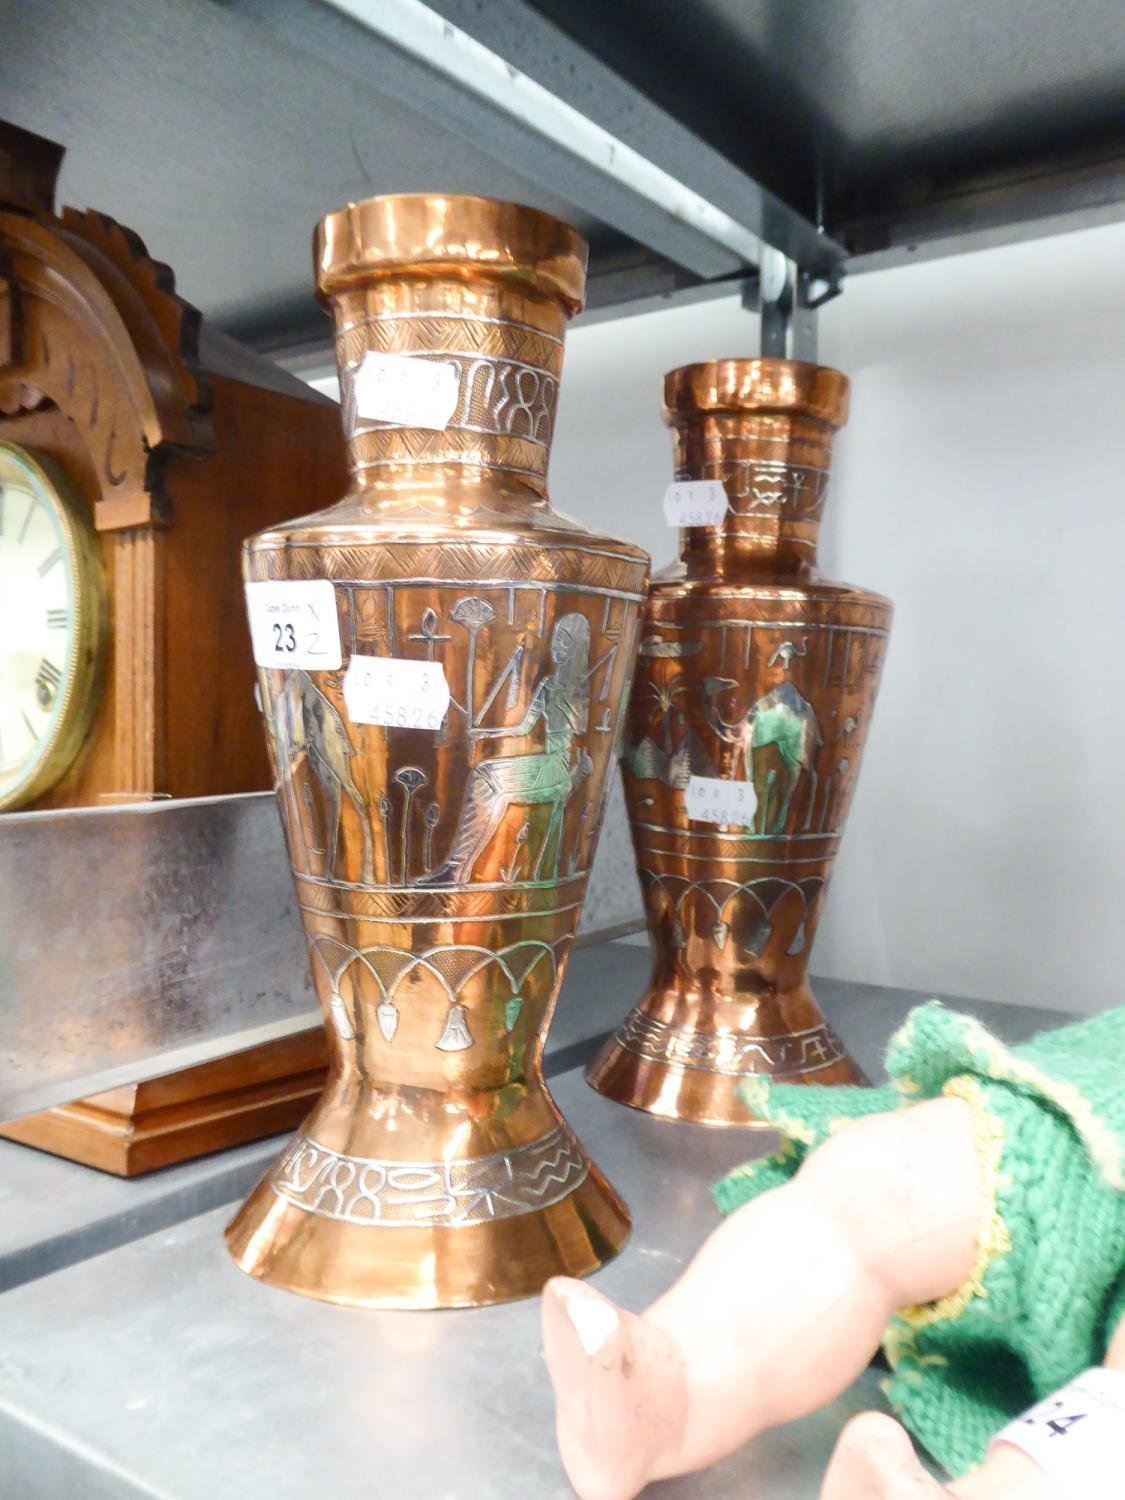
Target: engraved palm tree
410, 779
672, 764
666, 694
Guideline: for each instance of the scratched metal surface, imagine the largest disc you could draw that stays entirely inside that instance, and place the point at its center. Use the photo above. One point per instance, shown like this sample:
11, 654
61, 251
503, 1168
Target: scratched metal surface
136, 940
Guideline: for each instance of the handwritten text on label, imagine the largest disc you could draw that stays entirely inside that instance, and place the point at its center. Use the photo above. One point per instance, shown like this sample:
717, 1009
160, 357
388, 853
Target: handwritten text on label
712, 800
294, 624
1074, 1436
695, 502
397, 693
411, 391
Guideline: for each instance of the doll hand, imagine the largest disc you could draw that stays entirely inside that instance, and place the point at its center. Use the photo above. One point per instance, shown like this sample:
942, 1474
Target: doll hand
875, 1460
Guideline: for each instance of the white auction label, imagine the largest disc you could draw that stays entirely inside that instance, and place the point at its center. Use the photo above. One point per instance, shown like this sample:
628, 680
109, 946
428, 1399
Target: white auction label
710, 799
695, 502
1077, 1436
294, 624
408, 390
396, 692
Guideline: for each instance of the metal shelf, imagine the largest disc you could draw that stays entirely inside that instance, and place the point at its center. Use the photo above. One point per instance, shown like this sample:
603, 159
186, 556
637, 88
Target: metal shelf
437, 1403
696, 146
904, 127
680, 139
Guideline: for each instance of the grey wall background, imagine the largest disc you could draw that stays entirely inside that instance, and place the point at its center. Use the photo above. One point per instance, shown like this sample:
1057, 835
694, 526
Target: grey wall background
978, 483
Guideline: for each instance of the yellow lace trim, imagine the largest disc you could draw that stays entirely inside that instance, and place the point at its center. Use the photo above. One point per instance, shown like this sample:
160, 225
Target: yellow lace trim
988, 1136
1102, 1143
756, 1093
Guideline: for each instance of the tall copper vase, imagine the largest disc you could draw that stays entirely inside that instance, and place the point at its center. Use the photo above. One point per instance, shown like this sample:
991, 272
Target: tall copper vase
752, 668
440, 871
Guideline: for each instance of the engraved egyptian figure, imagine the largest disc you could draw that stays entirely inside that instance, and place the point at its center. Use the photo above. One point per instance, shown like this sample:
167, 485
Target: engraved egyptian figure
315, 726
782, 718
562, 701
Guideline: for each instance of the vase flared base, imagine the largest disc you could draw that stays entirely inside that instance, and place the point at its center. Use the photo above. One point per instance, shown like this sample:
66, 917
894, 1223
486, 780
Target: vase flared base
691, 1074
363, 1233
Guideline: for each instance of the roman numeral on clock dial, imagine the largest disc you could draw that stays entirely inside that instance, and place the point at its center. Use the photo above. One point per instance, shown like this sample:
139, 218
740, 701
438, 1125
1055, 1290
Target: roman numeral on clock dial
47, 681
27, 519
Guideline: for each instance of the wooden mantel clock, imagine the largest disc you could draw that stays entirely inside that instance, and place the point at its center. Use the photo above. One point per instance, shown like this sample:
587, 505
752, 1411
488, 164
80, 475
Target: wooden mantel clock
137, 449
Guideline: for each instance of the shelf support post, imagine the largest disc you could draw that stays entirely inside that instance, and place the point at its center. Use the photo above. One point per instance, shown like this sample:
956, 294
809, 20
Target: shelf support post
787, 299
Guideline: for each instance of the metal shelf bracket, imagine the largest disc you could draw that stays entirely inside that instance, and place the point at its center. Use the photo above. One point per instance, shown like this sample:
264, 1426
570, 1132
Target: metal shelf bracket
788, 298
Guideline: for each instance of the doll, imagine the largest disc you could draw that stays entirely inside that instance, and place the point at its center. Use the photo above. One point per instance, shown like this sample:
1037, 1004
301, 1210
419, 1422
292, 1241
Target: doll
970, 1215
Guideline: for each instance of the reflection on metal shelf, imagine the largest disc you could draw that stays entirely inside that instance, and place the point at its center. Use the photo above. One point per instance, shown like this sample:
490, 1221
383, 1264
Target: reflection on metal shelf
137, 940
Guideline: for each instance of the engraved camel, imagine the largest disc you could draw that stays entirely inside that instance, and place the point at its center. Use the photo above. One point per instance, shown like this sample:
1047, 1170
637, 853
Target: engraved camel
325, 740
781, 717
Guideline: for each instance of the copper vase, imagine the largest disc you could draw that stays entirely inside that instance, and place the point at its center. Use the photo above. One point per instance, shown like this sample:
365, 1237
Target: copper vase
752, 668
440, 871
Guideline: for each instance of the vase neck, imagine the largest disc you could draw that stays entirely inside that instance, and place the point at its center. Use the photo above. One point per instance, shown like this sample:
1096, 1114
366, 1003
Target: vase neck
774, 467
499, 349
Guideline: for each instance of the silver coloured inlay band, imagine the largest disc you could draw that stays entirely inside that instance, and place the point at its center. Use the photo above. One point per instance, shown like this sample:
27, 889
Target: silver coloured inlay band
432, 921
745, 838
880, 630
437, 463
728, 1051
466, 354
369, 1192
440, 315
497, 396
286, 544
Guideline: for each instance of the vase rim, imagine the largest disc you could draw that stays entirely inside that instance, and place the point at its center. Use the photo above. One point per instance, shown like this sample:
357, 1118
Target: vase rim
442, 233
765, 385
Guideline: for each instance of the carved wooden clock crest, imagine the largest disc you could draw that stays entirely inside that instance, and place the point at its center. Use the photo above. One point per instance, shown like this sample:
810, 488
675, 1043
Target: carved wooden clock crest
137, 449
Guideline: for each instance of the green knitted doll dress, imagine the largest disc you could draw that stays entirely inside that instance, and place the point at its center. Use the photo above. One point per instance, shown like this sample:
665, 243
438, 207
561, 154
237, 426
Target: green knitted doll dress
1048, 1288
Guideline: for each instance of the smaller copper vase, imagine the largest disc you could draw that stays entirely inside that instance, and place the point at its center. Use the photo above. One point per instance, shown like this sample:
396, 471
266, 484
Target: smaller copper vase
754, 669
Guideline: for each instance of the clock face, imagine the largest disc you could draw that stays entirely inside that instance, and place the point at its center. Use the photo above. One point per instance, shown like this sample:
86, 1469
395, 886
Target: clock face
52, 625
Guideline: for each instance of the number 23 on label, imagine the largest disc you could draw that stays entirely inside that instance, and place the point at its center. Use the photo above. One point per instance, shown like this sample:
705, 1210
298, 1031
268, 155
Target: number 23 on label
294, 624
